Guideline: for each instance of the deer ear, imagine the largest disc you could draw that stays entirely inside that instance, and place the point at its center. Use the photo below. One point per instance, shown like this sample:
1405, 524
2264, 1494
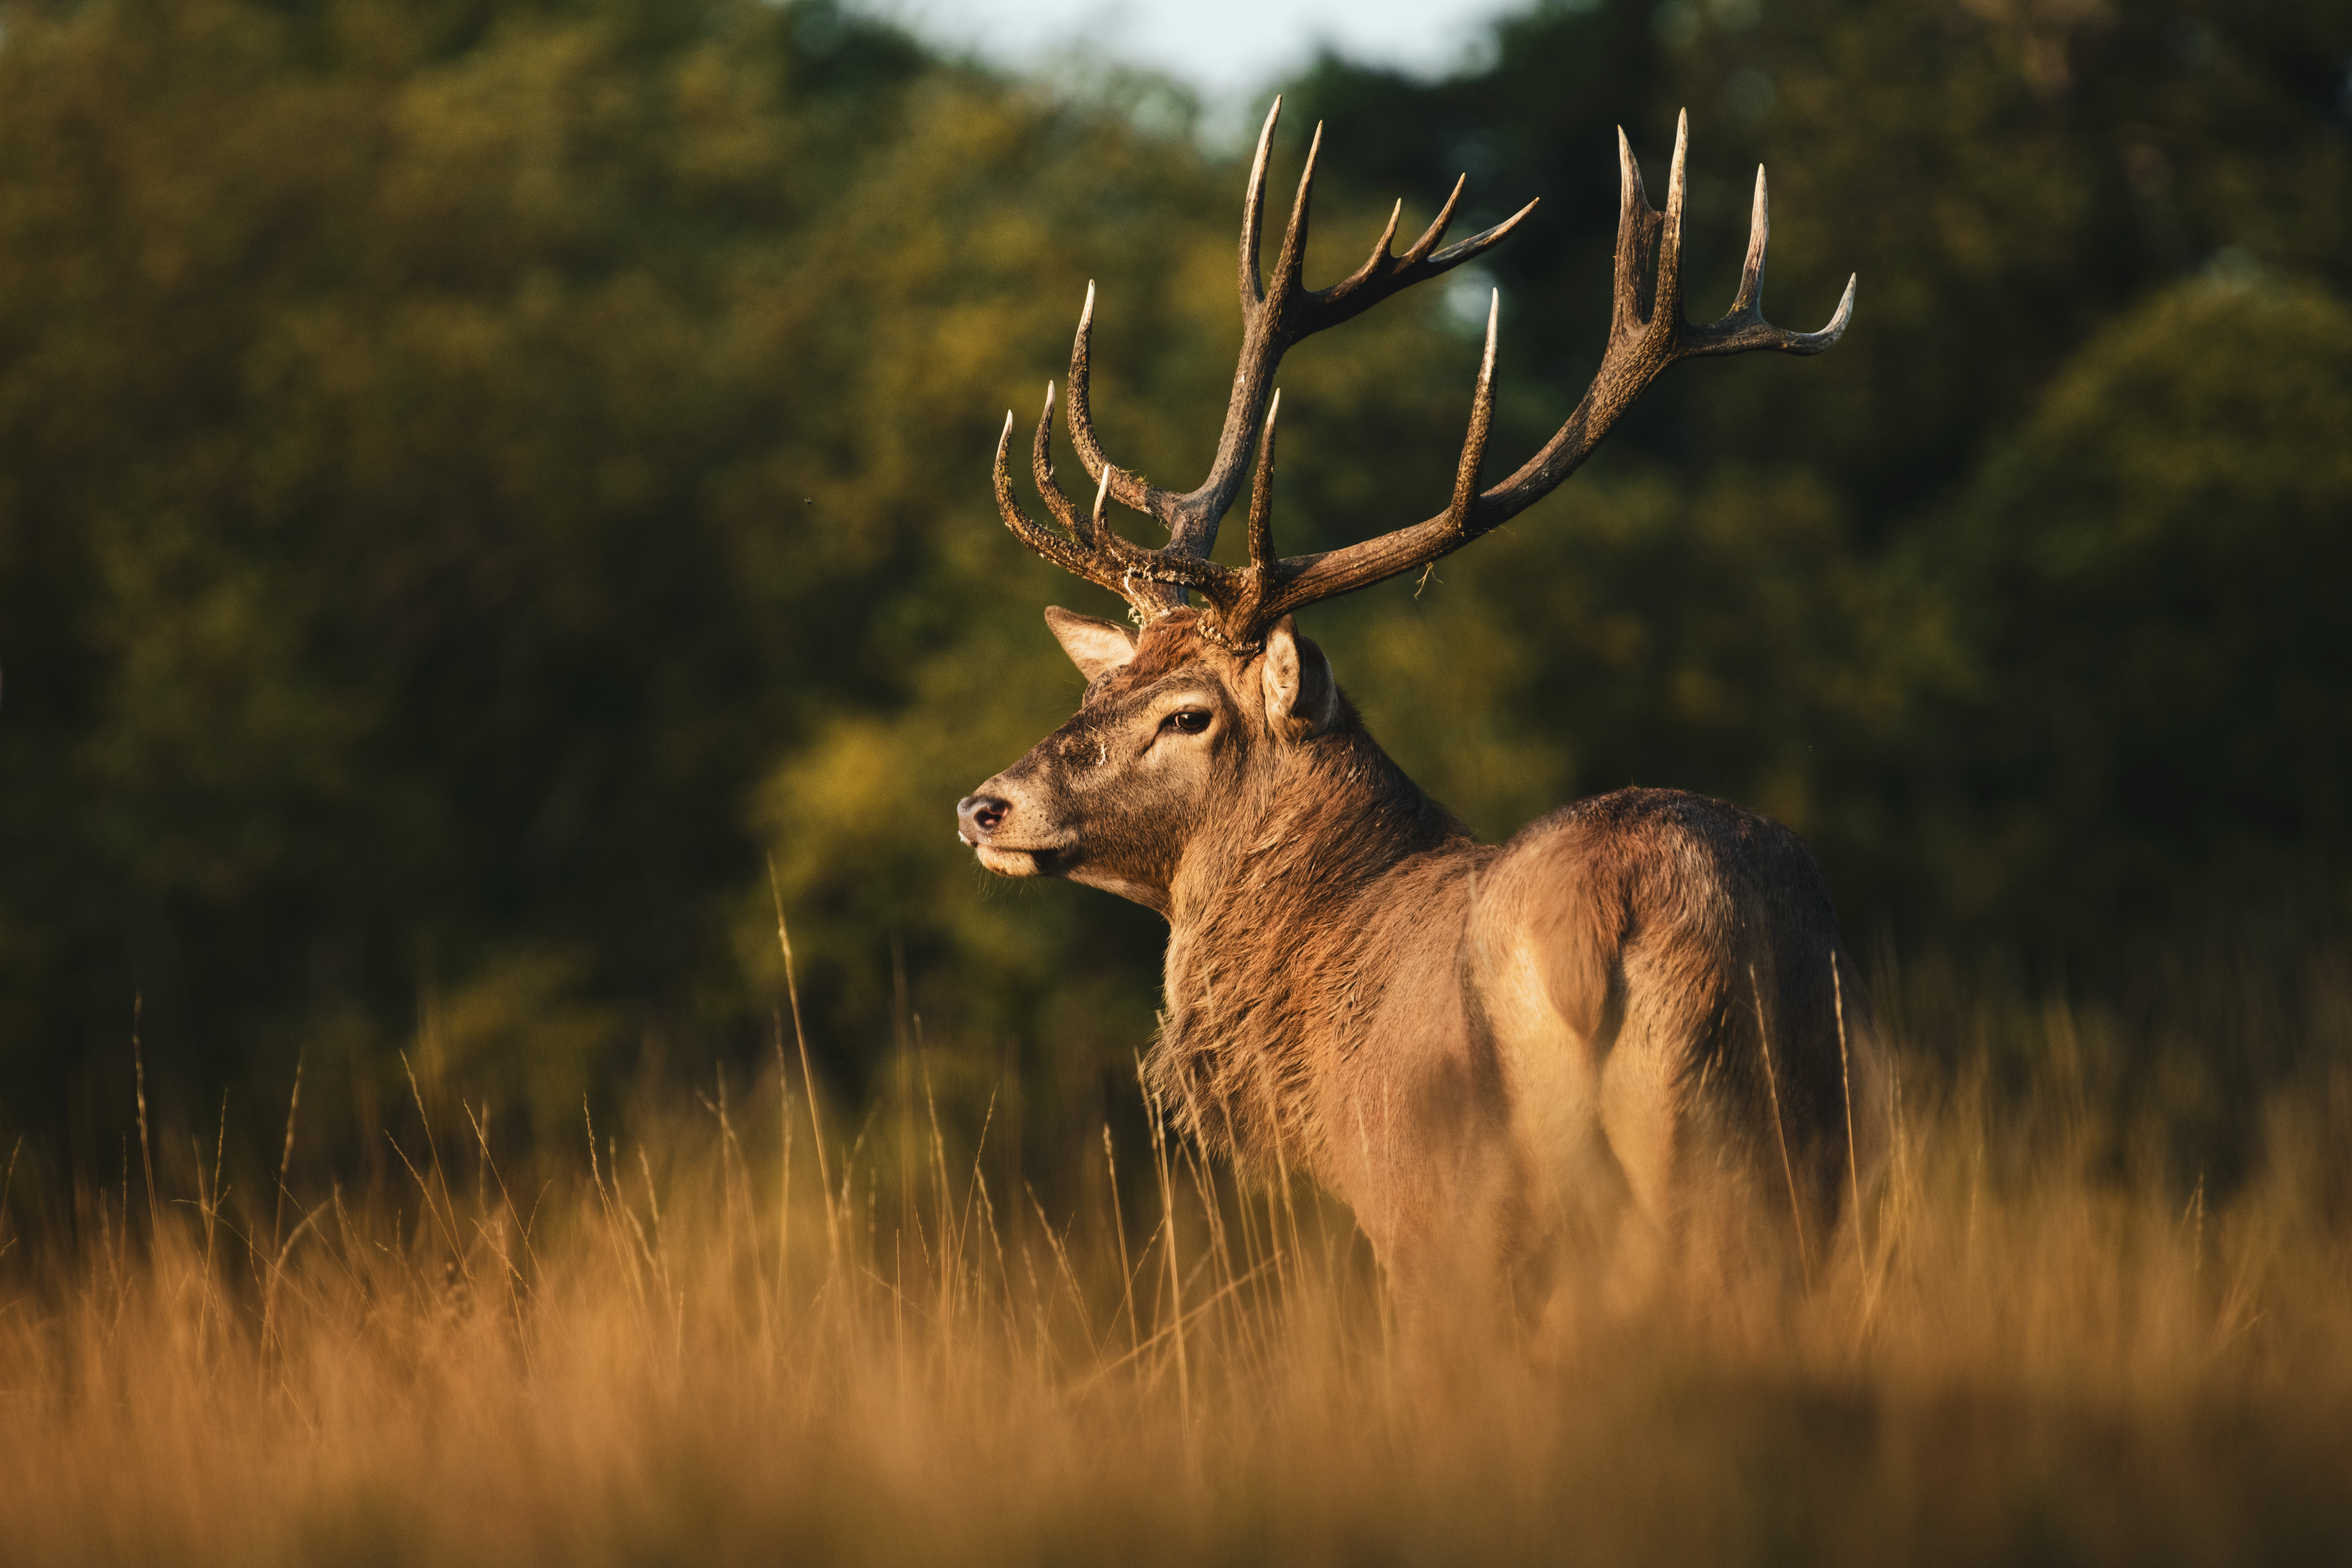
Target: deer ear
1094, 645
1302, 696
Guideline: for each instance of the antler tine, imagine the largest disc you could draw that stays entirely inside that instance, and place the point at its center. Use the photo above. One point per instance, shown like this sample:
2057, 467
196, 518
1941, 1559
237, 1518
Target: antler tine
1815, 343
1081, 417
1438, 226
1380, 261
1254, 211
1261, 513
1743, 327
1482, 423
1373, 262
1292, 258
1760, 232
1043, 542
1637, 228
1382, 274
1093, 534
1667, 299
1479, 244
1040, 471
1380, 252
1130, 490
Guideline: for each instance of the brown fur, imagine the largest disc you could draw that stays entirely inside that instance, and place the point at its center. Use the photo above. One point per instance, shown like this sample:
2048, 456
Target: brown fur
1495, 1054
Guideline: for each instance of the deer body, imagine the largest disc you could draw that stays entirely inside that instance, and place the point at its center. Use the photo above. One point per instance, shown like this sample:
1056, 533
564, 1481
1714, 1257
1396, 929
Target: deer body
1495, 1053
1633, 1015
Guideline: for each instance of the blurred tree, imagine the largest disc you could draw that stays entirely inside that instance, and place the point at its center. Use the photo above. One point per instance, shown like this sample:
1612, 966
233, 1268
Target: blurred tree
429, 500
2003, 174
2153, 569
477, 478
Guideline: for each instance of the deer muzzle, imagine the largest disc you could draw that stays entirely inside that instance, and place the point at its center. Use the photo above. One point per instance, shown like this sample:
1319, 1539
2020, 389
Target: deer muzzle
1006, 837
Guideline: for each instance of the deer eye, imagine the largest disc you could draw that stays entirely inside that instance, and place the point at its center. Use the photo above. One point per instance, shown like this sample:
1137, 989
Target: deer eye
1186, 722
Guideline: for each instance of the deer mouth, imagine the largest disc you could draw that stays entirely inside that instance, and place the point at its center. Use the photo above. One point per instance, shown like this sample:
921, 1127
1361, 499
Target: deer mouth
981, 820
1006, 860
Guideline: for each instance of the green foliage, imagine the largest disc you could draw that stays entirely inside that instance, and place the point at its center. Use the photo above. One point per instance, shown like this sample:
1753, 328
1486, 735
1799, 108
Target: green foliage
441, 471
481, 482
2154, 565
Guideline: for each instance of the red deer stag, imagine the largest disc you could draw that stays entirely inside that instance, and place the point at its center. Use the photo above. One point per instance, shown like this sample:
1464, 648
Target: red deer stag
1497, 1055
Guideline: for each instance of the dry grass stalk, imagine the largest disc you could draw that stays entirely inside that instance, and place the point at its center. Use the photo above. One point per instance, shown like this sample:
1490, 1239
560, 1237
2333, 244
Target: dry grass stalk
2040, 1351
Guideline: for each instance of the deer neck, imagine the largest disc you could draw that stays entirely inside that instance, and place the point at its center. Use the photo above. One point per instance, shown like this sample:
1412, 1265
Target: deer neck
1269, 918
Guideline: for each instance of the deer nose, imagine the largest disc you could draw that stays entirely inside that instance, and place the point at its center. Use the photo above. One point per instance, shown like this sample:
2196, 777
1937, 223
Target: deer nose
978, 815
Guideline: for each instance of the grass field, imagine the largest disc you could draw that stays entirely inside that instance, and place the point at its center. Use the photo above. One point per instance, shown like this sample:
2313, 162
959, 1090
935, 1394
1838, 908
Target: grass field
747, 1332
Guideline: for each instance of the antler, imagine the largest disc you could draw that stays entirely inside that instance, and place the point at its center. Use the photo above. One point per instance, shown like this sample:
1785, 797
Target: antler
1273, 319
1646, 333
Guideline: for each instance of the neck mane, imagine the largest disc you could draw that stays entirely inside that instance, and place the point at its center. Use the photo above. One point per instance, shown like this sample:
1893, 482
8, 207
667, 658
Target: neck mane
1273, 915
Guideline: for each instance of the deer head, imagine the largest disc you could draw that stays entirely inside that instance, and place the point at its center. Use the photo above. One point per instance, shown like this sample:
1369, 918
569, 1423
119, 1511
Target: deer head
1175, 731
1189, 718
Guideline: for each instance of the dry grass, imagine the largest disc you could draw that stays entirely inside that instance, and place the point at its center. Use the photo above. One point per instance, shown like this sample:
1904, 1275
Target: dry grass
2040, 1348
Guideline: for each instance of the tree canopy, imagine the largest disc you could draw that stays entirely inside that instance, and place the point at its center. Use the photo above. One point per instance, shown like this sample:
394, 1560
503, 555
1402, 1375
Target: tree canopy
484, 484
